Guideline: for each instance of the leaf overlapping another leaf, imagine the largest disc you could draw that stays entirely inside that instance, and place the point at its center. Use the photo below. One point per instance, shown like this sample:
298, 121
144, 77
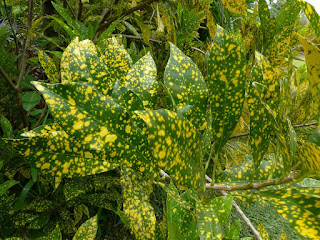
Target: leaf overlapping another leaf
236, 6
49, 67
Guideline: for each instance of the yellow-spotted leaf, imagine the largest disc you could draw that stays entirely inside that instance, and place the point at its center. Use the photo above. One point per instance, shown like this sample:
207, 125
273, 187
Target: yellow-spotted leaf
263, 231
117, 60
186, 85
287, 14
236, 6
49, 67
87, 230
312, 15
309, 155
312, 55
175, 144
137, 208
142, 80
260, 120
59, 155
226, 83
80, 63
212, 216
300, 206
97, 122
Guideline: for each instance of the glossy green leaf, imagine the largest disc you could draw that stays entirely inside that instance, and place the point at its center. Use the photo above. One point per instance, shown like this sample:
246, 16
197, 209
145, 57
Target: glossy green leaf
312, 15
137, 208
186, 85
312, 55
236, 6
142, 80
56, 153
6, 185
300, 206
49, 67
80, 63
87, 230
181, 221
260, 121
97, 122
175, 144
116, 60
309, 155
30, 100
6, 127
226, 83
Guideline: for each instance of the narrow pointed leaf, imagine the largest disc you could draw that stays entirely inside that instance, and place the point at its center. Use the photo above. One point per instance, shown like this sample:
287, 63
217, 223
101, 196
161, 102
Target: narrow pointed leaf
312, 55
226, 83
87, 230
137, 208
287, 14
186, 85
117, 61
260, 121
97, 122
312, 15
263, 231
6, 185
300, 206
142, 80
49, 67
175, 144
309, 155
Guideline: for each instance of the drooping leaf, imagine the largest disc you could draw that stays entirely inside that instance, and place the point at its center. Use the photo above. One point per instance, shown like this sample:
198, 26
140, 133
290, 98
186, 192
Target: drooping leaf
175, 144
312, 15
97, 122
6, 185
116, 60
300, 206
137, 208
30, 100
186, 85
49, 67
226, 82
260, 121
142, 80
312, 55
87, 230
80, 63
236, 6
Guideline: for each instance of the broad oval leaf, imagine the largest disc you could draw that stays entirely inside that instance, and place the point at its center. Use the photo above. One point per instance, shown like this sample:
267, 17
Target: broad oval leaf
226, 83
260, 120
49, 67
175, 144
142, 80
186, 85
97, 122
137, 208
87, 230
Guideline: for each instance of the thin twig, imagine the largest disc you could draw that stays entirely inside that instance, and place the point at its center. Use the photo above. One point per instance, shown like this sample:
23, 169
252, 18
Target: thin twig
80, 10
44, 113
241, 213
6, 77
70, 8
11, 26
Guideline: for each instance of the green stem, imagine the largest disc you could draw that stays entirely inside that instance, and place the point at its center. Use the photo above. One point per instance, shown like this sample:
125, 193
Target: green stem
215, 160
209, 159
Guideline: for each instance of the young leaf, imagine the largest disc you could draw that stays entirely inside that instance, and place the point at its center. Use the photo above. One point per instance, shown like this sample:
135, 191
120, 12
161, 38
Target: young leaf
186, 85
117, 61
142, 80
49, 67
97, 122
139, 212
87, 230
175, 144
226, 83
6, 127
260, 121
300, 206
312, 55
236, 6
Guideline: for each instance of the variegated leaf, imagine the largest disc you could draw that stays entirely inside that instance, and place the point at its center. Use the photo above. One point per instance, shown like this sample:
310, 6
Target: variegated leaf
236, 6
312, 15
49, 67
87, 230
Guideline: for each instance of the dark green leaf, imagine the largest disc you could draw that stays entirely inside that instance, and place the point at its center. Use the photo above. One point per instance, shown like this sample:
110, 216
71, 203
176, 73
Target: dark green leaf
30, 100
87, 230
6, 185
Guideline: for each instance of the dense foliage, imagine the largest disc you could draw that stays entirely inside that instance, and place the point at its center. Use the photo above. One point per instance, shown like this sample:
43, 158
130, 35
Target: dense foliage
158, 119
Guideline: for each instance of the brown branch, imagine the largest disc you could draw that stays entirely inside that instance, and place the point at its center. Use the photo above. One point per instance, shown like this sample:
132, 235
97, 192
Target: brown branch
11, 26
80, 10
129, 11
